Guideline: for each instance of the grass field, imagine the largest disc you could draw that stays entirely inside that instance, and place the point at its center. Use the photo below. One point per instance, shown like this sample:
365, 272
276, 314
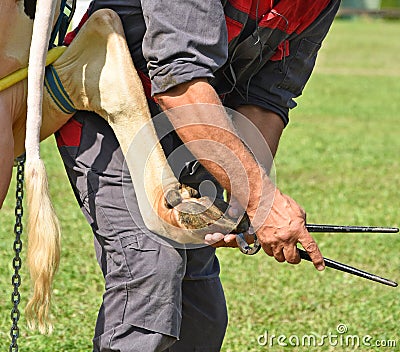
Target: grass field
339, 158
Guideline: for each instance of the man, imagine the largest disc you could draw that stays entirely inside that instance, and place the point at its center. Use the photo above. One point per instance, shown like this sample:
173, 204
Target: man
251, 56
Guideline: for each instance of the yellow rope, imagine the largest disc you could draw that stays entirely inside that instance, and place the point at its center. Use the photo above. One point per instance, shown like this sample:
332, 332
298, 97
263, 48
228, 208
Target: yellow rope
22, 73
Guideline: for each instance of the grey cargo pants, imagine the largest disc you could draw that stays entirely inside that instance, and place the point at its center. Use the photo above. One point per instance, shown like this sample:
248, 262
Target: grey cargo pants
157, 297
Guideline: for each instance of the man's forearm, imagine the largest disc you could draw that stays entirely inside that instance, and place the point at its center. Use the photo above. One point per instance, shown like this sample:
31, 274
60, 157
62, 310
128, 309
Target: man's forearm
210, 135
267, 122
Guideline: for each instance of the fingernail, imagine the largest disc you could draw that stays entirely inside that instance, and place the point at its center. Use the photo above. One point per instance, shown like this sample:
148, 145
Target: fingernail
320, 267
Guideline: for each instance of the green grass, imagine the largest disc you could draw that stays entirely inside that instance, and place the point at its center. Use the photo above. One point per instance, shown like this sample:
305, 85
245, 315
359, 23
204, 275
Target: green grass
339, 158
390, 3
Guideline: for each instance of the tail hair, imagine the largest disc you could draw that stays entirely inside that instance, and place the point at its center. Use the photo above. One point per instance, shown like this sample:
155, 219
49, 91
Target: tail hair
44, 238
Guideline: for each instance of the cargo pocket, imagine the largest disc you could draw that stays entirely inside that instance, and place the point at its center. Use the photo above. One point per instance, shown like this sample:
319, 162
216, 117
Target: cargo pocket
140, 242
299, 67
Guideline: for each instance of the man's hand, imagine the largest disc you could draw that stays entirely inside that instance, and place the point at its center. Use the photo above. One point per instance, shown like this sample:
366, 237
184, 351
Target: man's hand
283, 229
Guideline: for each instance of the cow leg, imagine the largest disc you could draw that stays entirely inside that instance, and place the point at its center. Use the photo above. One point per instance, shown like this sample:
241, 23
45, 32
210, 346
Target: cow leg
98, 74
6, 147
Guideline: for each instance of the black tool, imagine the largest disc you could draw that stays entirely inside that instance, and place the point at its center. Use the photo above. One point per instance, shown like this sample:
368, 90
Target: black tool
247, 249
343, 267
340, 228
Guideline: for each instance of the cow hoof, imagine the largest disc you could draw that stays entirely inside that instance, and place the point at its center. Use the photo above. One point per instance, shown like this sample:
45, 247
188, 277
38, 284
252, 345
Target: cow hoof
175, 196
210, 216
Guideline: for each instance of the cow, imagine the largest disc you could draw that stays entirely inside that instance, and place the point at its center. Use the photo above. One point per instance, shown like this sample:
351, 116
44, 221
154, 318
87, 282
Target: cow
97, 59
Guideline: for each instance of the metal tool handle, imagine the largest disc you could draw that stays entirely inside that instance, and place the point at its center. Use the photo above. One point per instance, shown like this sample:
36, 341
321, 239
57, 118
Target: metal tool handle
343, 228
244, 247
351, 270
